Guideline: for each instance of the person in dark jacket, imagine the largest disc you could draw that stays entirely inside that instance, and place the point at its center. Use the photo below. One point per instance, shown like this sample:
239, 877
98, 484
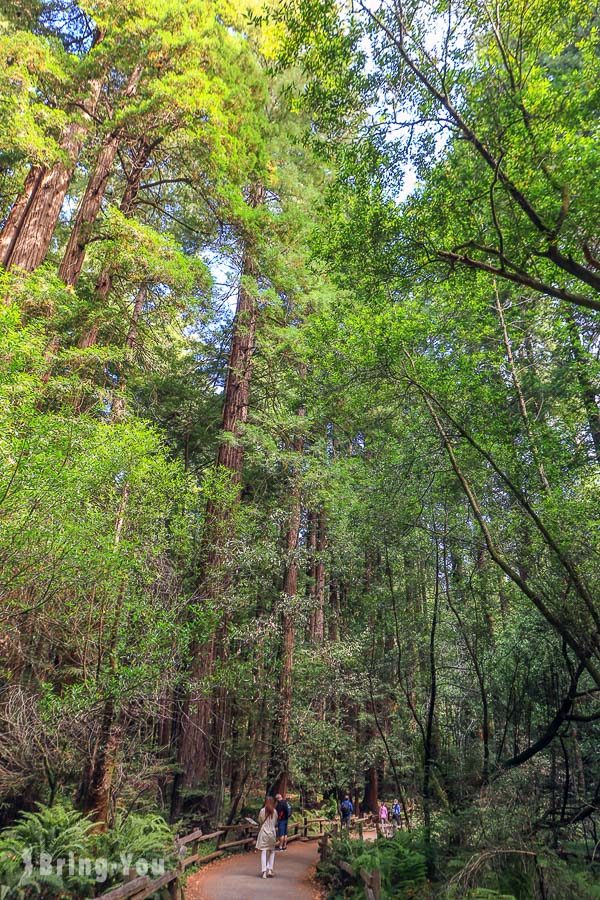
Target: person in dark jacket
284, 810
346, 810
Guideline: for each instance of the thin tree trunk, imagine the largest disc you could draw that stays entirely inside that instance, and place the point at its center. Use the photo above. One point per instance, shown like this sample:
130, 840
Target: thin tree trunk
371, 794
281, 737
311, 554
583, 653
318, 634
127, 205
479, 674
519, 392
429, 742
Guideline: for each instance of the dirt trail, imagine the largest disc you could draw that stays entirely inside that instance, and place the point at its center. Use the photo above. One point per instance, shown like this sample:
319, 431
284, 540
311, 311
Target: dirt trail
237, 877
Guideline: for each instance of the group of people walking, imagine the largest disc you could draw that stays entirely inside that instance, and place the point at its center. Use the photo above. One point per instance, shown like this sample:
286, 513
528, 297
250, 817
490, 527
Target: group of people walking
274, 817
386, 818
273, 831
389, 819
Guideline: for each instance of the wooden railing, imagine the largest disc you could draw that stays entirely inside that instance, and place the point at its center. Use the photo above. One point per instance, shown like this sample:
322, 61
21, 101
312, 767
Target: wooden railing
370, 880
188, 852
189, 855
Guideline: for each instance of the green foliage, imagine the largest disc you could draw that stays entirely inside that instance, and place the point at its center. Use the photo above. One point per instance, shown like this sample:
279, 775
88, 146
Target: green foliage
31, 852
409, 535
56, 832
519, 874
400, 860
136, 836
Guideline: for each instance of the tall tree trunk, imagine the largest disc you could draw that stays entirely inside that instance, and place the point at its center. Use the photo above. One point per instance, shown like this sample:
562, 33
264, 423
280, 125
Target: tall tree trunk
371, 794
97, 781
91, 201
281, 735
334, 610
28, 230
429, 744
519, 392
118, 406
311, 554
196, 751
479, 671
318, 635
96, 789
19, 212
239, 375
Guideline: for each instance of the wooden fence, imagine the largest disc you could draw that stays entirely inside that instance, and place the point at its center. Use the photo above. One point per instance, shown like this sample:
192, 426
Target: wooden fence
188, 852
370, 880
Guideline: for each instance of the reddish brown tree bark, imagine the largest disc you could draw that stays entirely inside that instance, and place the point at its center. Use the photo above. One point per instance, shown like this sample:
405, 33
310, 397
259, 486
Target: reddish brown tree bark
237, 389
28, 230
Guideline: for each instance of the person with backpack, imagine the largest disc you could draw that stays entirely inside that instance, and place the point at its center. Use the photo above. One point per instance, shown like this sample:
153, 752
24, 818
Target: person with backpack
346, 810
267, 837
284, 811
397, 814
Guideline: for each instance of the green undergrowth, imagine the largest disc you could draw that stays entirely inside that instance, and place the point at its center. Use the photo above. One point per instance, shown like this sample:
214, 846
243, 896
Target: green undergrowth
501, 874
401, 861
57, 853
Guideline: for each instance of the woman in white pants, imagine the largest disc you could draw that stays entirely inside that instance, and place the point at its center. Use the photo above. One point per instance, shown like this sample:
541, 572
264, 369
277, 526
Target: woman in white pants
267, 837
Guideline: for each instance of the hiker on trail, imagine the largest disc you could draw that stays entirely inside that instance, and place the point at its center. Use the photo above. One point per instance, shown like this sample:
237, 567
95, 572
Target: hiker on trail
283, 809
267, 837
383, 818
346, 810
397, 814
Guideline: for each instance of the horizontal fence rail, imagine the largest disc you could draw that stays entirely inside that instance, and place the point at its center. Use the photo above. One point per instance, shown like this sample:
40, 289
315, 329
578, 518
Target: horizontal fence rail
187, 848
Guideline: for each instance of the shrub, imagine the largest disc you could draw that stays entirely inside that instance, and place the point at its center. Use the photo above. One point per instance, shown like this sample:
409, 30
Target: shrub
31, 847
400, 860
29, 851
139, 836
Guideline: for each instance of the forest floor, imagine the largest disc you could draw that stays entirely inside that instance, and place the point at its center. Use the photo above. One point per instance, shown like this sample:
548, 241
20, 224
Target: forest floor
238, 877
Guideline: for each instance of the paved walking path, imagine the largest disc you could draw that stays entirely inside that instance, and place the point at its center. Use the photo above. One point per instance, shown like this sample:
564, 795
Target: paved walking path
237, 877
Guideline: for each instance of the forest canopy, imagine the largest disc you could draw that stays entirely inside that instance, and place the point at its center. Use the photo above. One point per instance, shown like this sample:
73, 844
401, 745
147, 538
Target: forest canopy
300, 429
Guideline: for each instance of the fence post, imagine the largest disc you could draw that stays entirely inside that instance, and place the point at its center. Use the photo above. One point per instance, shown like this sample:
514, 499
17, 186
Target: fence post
360, 830
376, 884
305, 827
175, 892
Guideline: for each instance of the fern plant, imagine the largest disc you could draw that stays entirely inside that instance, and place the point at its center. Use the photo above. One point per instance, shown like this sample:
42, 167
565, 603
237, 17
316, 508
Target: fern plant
31, 849
138, 836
